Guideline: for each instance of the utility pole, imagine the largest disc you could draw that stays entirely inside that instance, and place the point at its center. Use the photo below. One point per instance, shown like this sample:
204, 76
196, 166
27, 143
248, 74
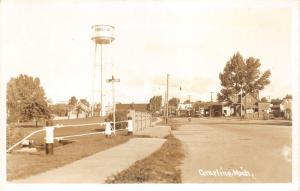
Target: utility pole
241, 101
245, 104
167, 99
112, 81
165, 106
211, 100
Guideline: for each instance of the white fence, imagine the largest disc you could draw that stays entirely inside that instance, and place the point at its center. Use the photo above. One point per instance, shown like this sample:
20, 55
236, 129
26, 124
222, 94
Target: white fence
140, 121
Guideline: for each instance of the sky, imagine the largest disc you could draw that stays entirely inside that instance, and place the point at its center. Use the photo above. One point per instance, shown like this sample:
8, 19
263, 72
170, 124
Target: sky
190, 40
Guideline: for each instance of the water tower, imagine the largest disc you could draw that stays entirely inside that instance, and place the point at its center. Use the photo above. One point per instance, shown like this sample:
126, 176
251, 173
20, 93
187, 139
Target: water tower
102, 35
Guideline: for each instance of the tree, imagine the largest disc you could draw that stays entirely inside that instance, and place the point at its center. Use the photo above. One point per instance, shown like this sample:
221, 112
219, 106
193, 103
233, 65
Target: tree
174, 102
78, 109
240, 74
85, 102
197, 105
26, 99
187, 101
276, 101
264, 99
72, 101
83, 105
155, 103
288, 96
97, 107
120, 116
59, 109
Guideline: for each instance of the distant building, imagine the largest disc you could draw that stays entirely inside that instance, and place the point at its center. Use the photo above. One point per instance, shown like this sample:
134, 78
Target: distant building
184, 106
80, 110
249, 105
132, 106
286, 108
184, 109
263, 110
276, 110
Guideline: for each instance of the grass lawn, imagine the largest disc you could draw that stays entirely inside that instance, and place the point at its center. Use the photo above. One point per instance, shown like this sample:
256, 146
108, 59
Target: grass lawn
21, 165
160, 167
15, 134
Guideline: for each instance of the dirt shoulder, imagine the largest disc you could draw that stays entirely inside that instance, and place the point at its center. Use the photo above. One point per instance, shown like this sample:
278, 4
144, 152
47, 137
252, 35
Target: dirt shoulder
160, 167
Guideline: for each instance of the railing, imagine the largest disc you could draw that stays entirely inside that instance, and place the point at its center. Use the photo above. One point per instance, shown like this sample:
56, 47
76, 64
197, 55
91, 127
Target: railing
35, 132
140, 121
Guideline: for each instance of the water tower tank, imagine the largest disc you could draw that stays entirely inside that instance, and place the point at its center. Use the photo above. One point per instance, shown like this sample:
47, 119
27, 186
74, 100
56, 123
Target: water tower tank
102, 34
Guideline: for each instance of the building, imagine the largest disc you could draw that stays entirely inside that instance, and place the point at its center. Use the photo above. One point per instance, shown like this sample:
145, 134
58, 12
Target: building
263, 110
80, 110
286, 108
249, 105
275, 110
184, 109
132, 106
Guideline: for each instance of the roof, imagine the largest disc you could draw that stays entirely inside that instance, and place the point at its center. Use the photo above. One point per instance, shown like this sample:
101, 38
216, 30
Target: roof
134, 106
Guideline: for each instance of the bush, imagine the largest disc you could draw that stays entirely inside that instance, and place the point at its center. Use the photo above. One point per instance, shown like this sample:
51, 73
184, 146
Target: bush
120, 116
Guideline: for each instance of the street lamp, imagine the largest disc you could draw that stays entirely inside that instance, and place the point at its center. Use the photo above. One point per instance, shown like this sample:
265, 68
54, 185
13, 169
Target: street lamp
112, 81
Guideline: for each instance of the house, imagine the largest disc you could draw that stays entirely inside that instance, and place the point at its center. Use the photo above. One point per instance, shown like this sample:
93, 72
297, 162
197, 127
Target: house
275, 110
80, 110
227, 110
286, 108
263, 110
252, 107
184, 106
249, 105
211, 109
184, 109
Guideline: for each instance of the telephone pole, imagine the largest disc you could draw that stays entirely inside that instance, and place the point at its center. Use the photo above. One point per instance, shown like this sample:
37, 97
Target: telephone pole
241, 103
167, 99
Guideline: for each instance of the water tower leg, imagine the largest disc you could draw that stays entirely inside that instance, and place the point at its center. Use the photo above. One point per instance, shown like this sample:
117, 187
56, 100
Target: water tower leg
102, 113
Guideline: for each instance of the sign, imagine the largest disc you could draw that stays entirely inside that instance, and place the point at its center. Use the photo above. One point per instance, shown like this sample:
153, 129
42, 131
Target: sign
249, 111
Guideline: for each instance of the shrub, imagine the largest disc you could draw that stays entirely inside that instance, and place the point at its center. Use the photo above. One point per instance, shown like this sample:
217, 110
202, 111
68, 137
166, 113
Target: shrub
120, 116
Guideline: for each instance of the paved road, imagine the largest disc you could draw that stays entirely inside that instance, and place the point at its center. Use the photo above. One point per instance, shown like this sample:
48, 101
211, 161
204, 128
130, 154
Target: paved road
96, 168
258, 151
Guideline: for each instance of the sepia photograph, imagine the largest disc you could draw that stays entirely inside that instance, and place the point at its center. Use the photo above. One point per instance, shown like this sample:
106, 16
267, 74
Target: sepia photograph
149, 95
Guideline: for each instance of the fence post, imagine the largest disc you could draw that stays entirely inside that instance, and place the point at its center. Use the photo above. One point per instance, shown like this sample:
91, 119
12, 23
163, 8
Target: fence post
49, 140
145, 118
149, 120
136, 122
107, 129
129, 126
141, 118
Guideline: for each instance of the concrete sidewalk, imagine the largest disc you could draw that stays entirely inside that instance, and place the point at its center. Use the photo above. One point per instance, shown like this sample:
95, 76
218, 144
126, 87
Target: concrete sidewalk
156, 131
96, 168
